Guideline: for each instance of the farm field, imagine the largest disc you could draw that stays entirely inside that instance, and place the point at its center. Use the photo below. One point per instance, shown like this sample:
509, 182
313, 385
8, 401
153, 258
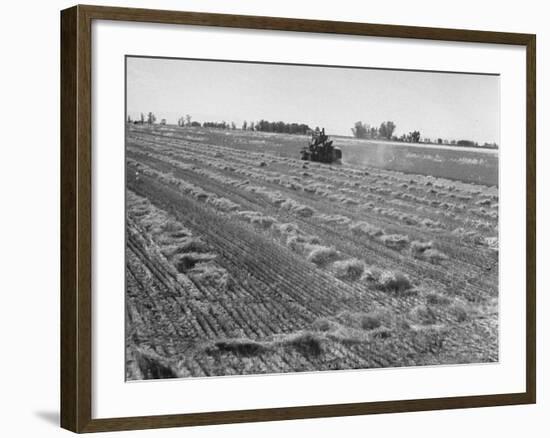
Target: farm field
450, 162
242, 259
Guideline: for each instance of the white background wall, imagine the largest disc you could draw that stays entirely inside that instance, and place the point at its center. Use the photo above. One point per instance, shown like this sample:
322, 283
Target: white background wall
29, 215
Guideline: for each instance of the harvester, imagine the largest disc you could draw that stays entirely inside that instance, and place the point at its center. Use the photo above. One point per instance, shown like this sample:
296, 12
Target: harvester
320, 149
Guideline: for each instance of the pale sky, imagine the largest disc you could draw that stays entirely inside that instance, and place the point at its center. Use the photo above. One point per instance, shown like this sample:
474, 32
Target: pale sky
447, 105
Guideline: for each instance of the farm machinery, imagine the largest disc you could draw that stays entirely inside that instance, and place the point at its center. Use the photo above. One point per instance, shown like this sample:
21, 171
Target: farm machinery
320, 149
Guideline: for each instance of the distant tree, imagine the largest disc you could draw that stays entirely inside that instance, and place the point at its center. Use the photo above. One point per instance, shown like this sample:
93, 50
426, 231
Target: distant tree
281, 127
386, 129
244, 126
151, 118
217, 125
129, 119
359, 130
187, 120
181, 122
469, 143
196, 124
163, 122
252, 126
142, 118
415, 136
390, 128
439, 141
382, 130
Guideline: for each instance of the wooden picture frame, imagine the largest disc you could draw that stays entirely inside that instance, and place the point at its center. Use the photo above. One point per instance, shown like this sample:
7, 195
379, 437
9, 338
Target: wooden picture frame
76, 218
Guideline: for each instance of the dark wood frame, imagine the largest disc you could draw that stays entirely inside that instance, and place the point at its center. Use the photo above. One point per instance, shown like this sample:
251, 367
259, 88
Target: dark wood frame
76, 225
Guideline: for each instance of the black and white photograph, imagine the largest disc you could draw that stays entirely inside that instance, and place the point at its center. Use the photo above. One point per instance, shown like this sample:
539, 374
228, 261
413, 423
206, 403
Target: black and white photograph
252, 219
285, 218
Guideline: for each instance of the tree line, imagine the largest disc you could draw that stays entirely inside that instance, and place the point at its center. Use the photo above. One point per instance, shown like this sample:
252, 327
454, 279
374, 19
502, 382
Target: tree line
217, 125
282, 127
383, 132
262, 125
386, 129
360, 130
364, 130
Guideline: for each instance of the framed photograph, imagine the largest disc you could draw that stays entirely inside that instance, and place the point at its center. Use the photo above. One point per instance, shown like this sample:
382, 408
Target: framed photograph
270, 218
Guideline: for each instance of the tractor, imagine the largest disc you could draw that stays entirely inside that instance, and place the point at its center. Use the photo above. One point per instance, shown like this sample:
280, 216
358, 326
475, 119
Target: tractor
320, 149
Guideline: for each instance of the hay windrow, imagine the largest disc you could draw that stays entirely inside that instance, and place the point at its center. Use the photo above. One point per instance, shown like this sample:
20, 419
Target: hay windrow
186, 261
424, 315
153, 366
394, 281
308, 343
322, 255
395, 241
365, 229
435, 299
350, 269
239, 347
